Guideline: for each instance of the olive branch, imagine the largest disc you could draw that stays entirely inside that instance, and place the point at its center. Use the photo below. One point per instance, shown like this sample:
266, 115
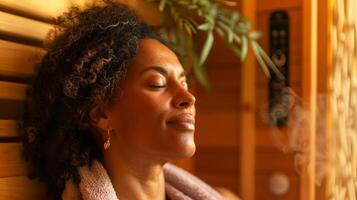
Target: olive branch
184, 18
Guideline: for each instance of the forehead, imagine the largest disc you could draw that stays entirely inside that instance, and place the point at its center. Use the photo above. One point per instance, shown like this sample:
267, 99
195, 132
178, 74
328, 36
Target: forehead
153, 53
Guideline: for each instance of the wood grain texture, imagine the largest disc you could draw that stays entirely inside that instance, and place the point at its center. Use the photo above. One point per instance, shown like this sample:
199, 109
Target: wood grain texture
269, 155
309, 93
17, 60
47, 10
217, 129
40, 9
21, 27
268, 5
218, 166
217, 160
21, 188
12, 96
8, 128
274, 159
11, 163
12, 91
247, 110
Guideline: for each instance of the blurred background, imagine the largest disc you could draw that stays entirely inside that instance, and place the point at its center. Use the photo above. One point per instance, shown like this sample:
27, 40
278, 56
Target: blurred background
255, 137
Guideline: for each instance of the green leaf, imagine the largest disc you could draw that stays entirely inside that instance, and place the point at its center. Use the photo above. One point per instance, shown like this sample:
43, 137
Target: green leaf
220, 32
270, 63
180, 23
199, 72
188, 29
228, 3
244, 48
230, 37
237, 38
205, 26
162, 5
200, 13
254, 35
191, 25
235, 49
206, 48
243, 27
224, 19
235, 16
230, 34
259, 59
174, 13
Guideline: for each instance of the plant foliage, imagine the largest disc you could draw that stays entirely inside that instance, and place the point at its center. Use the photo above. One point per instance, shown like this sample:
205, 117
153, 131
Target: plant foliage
184, 18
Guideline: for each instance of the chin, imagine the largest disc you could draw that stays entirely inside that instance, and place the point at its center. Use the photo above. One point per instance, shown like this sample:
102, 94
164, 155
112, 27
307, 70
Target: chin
184, 151
178, 146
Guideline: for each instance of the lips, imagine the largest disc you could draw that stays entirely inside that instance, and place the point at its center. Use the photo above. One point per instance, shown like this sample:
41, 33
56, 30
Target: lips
184, 122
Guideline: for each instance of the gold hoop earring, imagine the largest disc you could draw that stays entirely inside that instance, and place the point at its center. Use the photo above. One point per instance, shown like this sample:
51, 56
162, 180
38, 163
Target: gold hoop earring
107, 142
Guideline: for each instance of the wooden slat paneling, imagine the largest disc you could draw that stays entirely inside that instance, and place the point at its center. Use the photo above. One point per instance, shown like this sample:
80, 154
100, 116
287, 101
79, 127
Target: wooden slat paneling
217, 160
45, 10
11, 163
17, 60
8, 128
37, 9
274, 160
211, 124
10, 109
12, 96
21, 188
20, 27
224, 94
12, 91
269, 5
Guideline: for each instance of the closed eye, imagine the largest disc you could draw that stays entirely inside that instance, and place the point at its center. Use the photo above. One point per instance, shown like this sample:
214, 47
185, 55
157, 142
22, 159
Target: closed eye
157, 86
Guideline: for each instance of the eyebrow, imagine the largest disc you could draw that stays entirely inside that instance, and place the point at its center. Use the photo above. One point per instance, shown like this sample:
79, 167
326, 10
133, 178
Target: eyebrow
160, 70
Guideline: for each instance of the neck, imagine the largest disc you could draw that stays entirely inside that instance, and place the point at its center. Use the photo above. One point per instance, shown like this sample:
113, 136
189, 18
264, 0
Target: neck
134, 176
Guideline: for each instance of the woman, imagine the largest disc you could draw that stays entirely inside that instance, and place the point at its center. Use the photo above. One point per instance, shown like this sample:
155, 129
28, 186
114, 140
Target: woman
110, 106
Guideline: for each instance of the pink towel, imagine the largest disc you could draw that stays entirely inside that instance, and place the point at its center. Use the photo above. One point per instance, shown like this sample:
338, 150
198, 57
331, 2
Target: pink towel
179, 185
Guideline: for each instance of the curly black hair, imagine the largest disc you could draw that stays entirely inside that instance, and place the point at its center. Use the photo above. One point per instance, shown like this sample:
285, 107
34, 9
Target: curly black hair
87, 57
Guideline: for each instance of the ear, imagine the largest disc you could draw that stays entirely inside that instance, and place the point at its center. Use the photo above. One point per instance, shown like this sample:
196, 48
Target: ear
98, 119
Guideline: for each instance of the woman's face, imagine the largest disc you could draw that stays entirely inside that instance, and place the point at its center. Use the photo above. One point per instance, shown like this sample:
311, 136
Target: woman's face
155, 113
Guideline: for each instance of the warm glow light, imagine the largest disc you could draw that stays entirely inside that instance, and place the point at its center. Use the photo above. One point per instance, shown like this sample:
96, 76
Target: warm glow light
343, 147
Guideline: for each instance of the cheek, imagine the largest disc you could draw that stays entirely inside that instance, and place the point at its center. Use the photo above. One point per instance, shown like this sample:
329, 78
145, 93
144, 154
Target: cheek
140, 112
150, 113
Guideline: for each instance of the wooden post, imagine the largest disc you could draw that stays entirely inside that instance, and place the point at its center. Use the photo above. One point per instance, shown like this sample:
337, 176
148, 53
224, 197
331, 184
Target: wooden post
324, 65
247, 123
309, 93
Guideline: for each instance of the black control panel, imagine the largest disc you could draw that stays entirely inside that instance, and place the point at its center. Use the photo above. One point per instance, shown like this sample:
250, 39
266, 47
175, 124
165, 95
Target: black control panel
279, 52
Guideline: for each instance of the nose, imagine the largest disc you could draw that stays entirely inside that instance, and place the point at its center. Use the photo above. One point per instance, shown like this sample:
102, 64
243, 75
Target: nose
184, 99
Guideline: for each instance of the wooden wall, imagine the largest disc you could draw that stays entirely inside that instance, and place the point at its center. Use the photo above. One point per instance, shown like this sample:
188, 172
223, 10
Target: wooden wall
270, 159
20, 44
217, 160
217, 135
23, 27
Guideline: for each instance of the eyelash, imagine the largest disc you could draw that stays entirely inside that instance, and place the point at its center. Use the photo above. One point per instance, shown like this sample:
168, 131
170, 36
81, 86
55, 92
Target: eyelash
157, 86
188, 86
